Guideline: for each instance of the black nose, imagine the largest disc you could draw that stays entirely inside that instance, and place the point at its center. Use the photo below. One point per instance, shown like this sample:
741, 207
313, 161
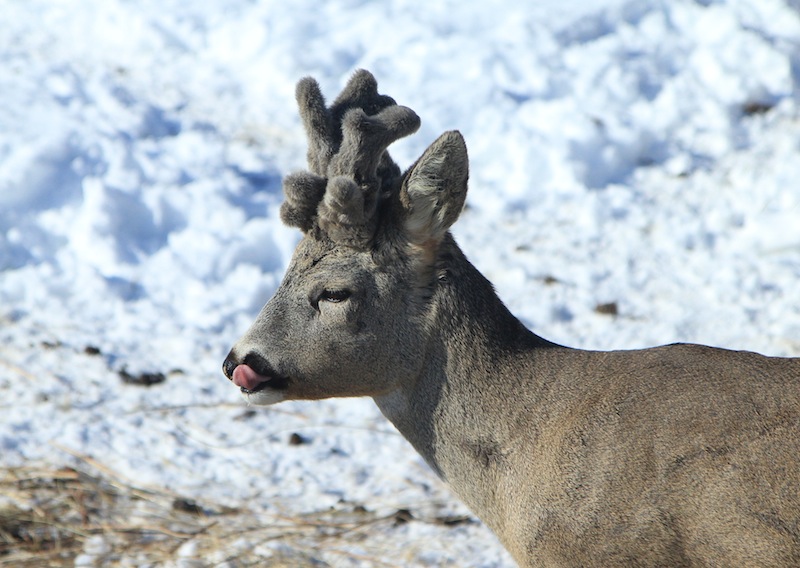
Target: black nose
229, 365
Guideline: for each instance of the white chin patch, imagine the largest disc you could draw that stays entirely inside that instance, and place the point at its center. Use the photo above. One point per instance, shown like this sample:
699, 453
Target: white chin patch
264, 397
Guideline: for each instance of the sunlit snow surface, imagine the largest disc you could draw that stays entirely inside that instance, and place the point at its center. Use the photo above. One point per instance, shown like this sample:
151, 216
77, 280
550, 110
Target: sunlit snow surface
641, 154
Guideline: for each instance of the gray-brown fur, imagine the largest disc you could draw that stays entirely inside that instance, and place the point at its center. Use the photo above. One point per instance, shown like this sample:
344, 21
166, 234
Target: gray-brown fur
681, 455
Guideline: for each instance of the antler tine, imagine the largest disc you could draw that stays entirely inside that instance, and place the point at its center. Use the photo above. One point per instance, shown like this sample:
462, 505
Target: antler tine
365, 139
323, 125
317, 122
361, 92
303, 192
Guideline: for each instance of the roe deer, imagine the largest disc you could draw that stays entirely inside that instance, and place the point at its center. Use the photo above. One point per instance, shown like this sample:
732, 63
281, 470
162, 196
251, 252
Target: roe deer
680, 455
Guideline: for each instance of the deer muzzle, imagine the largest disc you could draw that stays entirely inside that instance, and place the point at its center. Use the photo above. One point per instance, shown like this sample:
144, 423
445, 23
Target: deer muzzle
252, 374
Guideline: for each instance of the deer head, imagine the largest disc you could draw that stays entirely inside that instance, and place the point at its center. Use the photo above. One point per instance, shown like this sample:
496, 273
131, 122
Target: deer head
353, 312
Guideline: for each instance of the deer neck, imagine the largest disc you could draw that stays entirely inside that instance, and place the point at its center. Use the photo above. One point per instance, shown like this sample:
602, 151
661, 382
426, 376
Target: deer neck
459, 413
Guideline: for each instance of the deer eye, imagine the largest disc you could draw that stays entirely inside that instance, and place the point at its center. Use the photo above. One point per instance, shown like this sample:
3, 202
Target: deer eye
334, 296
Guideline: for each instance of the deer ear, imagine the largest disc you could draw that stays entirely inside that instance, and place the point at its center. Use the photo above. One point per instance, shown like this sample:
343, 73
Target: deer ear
434, 189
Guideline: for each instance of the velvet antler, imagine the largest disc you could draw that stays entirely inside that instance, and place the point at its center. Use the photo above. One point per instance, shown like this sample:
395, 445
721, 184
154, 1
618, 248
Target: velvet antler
324, 126
347, 158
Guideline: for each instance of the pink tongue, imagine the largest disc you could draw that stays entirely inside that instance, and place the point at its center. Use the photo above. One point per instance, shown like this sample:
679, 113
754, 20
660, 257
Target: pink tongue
246, 378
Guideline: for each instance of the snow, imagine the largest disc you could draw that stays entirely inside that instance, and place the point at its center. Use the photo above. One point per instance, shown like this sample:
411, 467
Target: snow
636, 153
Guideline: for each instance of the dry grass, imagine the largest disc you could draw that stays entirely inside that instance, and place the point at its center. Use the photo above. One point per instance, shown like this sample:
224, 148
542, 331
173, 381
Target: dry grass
86, 516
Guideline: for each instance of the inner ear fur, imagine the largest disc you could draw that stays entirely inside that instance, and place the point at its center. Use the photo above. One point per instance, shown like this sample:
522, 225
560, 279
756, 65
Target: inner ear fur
434, 189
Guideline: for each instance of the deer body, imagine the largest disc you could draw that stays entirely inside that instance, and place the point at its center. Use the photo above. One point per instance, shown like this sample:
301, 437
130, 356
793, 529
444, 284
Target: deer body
681, 455
580, 458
